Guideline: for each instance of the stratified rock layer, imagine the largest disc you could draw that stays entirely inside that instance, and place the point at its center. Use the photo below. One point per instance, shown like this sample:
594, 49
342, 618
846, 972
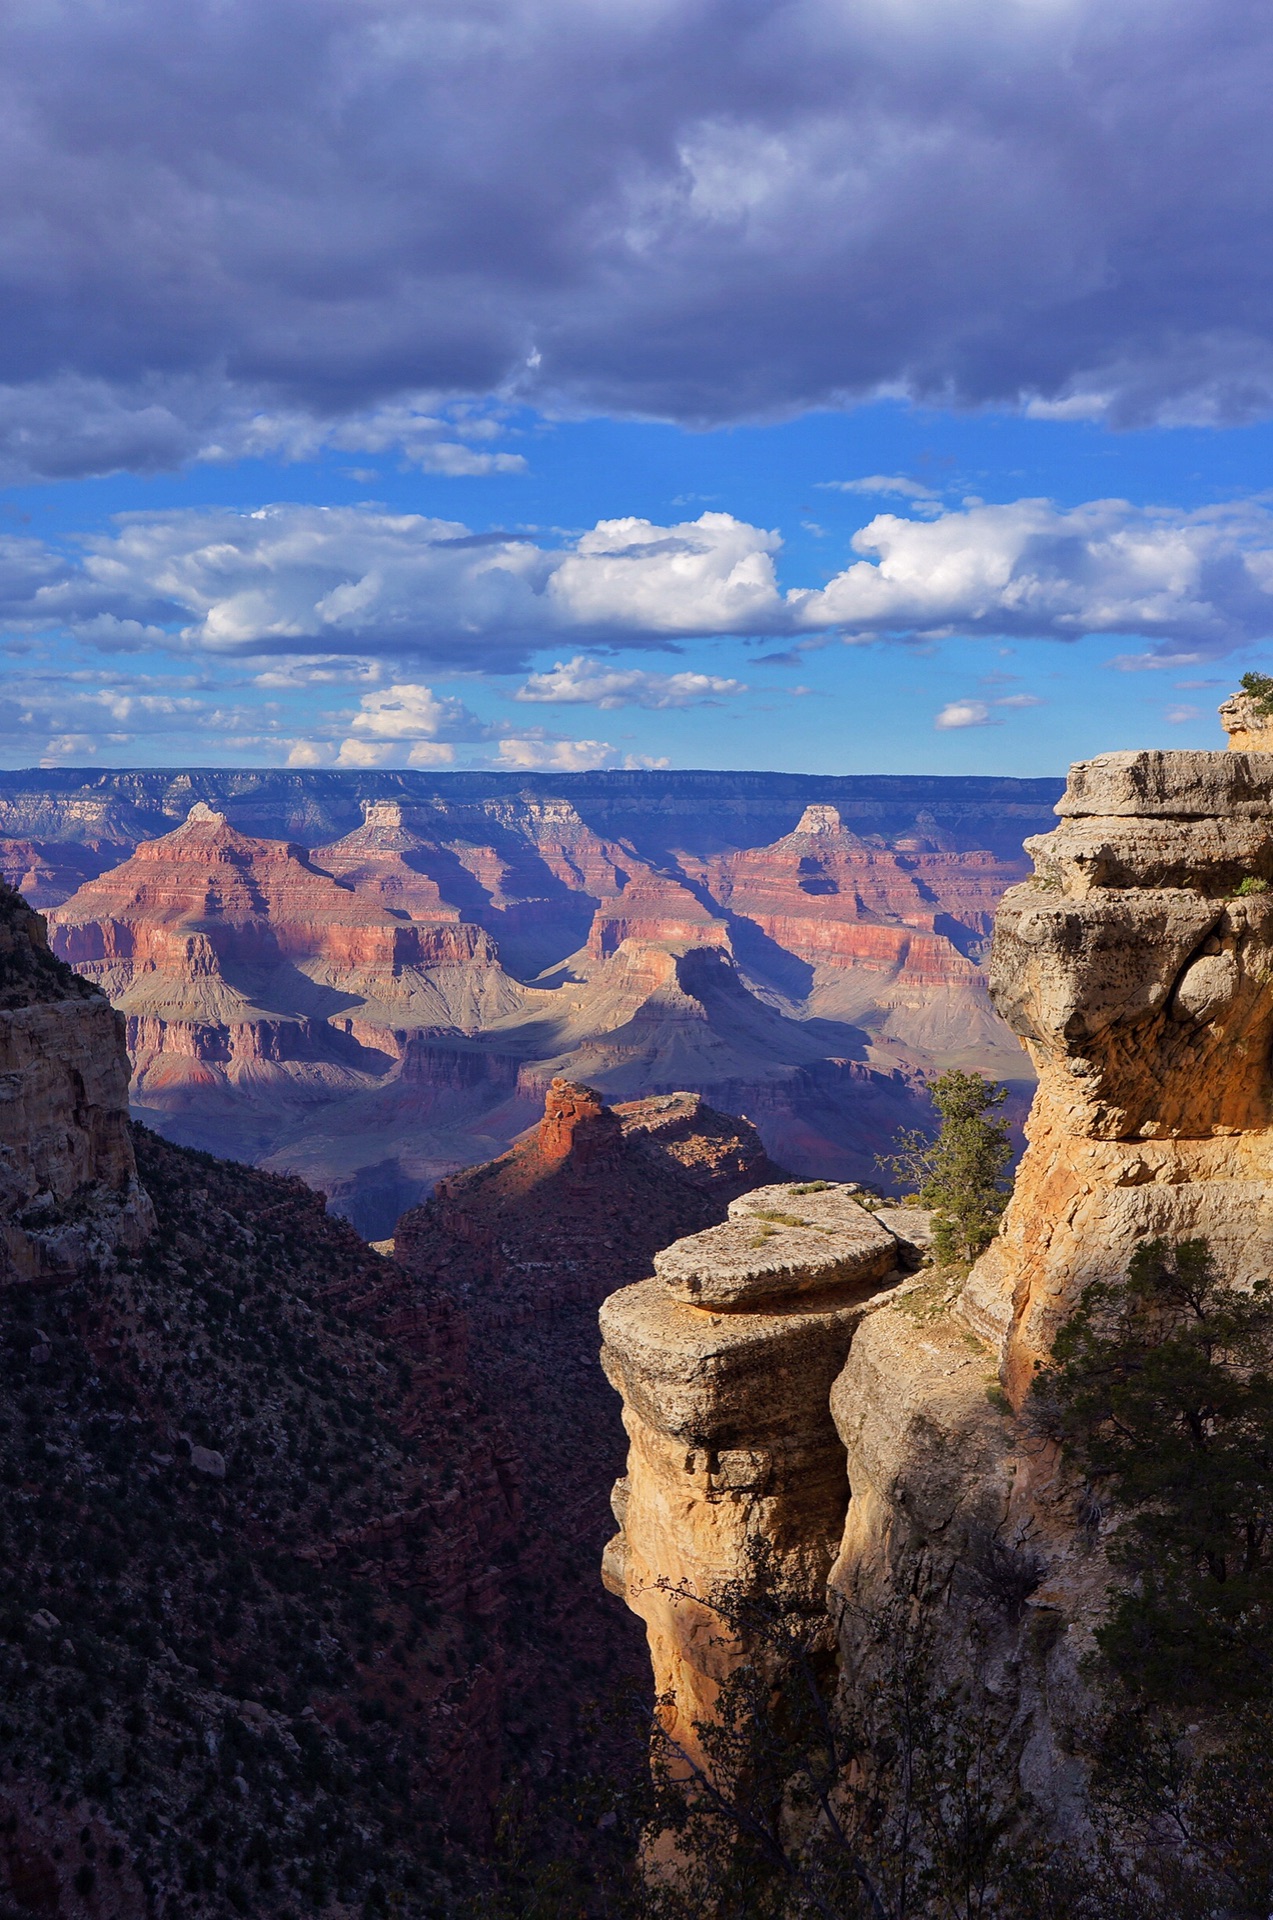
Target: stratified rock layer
1136, 969
68, 1183
372, 1003
1139, 984
732, 1447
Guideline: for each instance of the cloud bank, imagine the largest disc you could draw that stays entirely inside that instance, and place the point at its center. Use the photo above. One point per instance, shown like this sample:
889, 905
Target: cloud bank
277, 223
326, 584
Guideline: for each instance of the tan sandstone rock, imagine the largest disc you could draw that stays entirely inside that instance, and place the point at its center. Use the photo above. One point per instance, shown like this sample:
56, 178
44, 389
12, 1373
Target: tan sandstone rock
733, 1448
1136, 968
1249, 730
776, 1245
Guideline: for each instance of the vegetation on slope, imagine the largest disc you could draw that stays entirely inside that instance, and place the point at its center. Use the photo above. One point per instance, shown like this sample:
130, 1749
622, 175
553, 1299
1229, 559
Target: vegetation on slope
211, 1707
959, 1173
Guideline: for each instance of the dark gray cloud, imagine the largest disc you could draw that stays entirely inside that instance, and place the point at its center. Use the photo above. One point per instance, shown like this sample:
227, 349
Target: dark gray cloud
225, 223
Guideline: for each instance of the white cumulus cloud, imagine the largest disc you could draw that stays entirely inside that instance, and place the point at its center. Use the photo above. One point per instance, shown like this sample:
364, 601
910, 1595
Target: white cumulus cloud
710, 575
964, 713
559, 756
317, 584
586, 682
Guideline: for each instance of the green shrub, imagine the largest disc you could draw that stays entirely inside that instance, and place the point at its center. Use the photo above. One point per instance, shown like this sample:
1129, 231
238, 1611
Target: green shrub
1161, 1393
960, 1172
1260, 687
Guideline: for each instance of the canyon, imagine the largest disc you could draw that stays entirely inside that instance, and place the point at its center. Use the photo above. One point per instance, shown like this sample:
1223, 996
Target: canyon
302, 1536
369, 981
856, 1430
299, 1586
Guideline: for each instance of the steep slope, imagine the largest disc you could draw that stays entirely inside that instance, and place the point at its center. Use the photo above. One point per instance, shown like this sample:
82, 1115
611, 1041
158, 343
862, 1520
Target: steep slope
250, 1599
1135, 967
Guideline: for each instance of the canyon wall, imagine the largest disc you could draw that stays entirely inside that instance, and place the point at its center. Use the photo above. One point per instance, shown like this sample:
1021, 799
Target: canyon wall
370, 981
1135, 966
69, 1195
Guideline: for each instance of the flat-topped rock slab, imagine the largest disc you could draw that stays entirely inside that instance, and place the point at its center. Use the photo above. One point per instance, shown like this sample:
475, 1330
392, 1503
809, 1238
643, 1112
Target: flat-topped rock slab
727, 1379
912, 1225
825, 1204
1180, 785
777, 1246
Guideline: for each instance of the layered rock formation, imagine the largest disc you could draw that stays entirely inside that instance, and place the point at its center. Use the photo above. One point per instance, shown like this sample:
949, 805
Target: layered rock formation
1135, 967
69, 1195
374, 1006
725, 1361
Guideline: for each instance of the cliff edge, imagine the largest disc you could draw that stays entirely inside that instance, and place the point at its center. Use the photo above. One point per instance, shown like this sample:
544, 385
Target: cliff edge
890, 1454
69, 1195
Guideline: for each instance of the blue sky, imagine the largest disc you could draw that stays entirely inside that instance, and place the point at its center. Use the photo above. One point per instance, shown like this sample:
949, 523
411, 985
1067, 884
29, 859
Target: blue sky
848, 389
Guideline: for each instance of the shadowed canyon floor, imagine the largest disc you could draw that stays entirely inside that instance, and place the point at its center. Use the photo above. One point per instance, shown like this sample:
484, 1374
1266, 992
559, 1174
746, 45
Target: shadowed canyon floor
370, 980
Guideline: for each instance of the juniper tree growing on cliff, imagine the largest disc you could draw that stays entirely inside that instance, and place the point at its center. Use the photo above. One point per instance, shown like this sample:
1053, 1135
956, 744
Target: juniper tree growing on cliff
1160, 1393
960, 1172
1260, 688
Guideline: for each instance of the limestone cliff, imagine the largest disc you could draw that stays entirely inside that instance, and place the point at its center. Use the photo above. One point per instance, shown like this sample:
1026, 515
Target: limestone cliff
69, 1195
725, 1360
878, 1446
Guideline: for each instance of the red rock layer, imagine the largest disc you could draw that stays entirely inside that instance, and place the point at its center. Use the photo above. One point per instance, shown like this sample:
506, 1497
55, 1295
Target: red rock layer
808, 890
206, 895
252, 972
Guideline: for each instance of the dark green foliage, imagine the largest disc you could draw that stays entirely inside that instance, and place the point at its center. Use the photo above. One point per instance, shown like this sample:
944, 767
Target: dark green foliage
1260, 688
960, 1173
1161, 1393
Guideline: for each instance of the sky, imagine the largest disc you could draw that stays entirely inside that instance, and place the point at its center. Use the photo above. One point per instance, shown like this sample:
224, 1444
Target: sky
793, 384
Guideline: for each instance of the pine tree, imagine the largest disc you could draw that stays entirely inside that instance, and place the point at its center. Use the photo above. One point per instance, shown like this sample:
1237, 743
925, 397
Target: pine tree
960, 1173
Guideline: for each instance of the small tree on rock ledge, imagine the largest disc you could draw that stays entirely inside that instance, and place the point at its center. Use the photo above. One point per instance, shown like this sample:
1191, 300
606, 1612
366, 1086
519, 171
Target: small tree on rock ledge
960, 1173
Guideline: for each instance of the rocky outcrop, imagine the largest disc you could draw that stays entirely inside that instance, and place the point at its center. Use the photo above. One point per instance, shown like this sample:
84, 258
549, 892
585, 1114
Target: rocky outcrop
587, 1194
725, 1361
69, 1196
1249, 728
1135, 968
